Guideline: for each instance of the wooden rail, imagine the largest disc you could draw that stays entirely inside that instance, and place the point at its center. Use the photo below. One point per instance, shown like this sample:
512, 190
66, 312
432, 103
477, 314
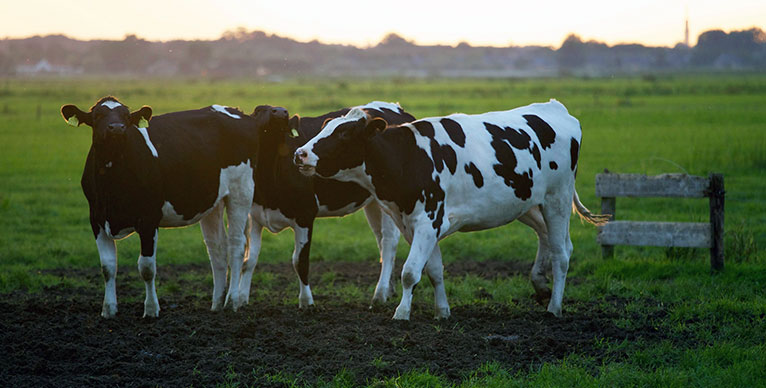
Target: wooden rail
609, 186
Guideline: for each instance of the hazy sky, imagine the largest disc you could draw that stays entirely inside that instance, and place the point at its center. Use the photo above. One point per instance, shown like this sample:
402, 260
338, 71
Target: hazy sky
364, 23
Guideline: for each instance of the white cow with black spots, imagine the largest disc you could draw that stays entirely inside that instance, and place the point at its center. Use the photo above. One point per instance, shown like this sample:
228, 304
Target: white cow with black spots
441, 175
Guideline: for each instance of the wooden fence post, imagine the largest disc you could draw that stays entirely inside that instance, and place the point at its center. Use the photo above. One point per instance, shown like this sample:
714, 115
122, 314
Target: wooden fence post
717, 193
608, 206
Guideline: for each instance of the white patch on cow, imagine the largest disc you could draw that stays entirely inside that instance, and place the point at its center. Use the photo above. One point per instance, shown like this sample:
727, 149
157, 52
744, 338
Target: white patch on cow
149, 143
111, 104
122, 233
378, 105
237, 179
222, 109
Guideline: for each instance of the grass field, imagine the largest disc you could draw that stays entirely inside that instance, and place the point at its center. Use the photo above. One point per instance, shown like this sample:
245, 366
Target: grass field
690, 124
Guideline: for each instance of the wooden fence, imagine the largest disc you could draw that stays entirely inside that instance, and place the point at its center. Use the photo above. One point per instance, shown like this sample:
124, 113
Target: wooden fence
609, 186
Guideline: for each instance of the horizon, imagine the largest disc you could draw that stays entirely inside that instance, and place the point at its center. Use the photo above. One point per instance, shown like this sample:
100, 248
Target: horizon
365, 26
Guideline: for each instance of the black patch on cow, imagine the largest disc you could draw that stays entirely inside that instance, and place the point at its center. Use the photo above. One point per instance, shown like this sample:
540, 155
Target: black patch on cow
521, 183
443, 155
574, 150
454, 130
536, 154
478, 179
544, 132
336, 195
425, 128
402, 173
554, 166
302, 267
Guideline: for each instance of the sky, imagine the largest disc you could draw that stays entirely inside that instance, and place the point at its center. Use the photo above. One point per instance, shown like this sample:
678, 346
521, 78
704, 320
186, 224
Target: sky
365, 23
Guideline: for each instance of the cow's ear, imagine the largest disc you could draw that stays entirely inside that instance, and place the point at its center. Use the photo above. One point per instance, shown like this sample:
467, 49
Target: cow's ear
74, 116
140, 118
293, 124
375, 125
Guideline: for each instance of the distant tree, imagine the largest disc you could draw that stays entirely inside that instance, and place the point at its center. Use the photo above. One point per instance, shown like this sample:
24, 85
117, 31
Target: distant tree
571, 54
394, 40
745, 47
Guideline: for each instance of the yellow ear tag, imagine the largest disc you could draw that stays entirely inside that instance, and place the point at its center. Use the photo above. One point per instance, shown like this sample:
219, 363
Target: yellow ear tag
143, 123
294, 133
73, 121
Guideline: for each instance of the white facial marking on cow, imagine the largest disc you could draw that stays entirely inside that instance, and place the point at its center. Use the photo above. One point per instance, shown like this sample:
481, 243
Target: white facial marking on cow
149, 144
111, 104
222, 109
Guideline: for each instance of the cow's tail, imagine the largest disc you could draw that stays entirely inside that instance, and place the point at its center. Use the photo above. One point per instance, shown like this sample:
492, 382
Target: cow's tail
586, 215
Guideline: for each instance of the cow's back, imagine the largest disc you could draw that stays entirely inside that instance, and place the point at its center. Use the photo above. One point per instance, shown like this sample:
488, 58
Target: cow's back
494, 167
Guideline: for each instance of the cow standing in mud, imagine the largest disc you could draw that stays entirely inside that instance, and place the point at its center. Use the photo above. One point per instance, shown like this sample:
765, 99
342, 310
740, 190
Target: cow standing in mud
441, 175
183, 168
285, 198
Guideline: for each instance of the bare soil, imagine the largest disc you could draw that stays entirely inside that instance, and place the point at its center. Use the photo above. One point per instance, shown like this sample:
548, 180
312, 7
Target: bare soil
57, 338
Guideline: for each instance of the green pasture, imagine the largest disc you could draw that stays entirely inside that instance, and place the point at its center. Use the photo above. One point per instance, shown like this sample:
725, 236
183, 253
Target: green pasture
680, 124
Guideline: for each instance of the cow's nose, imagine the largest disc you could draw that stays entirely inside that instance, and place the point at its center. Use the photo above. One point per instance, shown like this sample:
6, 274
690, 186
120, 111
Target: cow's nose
299, 156
116, 126
279, 112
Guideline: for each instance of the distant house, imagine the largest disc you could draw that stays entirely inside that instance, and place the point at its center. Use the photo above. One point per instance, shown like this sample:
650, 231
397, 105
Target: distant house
44, 67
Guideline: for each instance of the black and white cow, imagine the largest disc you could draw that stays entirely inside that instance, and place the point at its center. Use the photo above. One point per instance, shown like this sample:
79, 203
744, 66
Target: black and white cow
437, 176
183, 168
285, 198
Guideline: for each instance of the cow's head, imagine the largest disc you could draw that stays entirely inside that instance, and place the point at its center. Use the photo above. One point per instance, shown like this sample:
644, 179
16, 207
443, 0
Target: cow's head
109, 120
270, 119
339, 146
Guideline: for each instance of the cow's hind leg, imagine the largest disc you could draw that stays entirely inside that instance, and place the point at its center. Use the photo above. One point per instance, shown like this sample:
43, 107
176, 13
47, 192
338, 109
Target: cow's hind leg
214, 234
534, 219
387, 237
147, 267
107, 252
301, 264
435, 271
251, 259
556, 212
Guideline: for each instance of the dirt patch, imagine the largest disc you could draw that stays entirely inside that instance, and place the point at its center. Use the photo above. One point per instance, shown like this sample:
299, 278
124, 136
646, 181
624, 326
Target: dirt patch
57, 338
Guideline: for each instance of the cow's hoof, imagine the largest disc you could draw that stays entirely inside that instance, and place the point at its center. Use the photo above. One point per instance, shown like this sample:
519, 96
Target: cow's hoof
109, 310
151, 314
556, 313
402, 315
442, 313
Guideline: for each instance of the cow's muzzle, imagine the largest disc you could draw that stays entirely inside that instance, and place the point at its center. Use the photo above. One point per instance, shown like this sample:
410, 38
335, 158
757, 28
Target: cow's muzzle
300, 160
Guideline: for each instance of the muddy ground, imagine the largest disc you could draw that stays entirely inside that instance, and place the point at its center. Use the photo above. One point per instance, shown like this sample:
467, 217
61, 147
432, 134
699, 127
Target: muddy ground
57, 338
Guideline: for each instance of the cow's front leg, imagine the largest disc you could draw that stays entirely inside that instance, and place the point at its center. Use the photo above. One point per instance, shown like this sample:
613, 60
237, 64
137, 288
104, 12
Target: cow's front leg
423, 243
301, 264
147, 267
107, 252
